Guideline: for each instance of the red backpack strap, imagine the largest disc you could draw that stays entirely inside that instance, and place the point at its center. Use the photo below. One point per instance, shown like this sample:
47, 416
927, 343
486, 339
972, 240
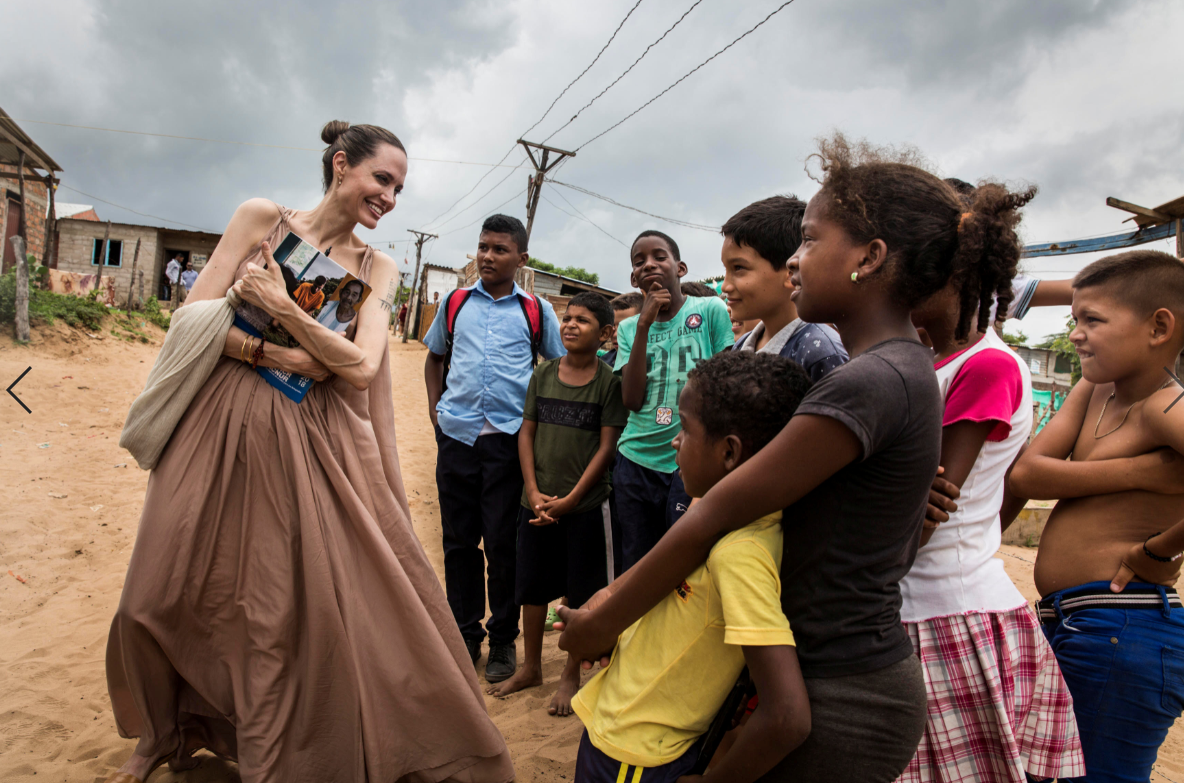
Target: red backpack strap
453, 302
452, 305
532, 309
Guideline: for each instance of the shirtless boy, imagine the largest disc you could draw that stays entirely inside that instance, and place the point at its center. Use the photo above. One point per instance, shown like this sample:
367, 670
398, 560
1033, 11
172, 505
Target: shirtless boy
1110, 553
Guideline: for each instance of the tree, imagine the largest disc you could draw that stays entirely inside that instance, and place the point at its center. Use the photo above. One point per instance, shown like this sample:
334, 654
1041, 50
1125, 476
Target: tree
1061, 345
574, 272
1019, 338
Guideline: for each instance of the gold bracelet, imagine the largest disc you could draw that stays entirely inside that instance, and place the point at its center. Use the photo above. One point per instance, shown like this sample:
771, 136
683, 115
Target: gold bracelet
242, 353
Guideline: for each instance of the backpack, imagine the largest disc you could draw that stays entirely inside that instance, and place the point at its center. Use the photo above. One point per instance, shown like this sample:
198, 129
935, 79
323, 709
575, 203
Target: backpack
532, 309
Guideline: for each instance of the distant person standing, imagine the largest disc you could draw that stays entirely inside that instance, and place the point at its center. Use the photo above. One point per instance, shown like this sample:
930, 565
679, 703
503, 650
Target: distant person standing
188, 278
172, 271
402, 318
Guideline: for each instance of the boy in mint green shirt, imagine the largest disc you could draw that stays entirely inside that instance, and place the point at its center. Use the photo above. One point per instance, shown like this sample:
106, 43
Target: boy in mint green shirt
656, 349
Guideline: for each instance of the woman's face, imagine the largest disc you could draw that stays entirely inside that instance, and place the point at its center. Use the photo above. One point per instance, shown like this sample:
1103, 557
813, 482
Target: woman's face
370, 188
350, 294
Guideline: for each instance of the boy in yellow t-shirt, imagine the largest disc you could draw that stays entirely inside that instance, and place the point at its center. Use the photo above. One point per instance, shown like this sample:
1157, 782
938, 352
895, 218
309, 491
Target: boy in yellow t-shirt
645, 713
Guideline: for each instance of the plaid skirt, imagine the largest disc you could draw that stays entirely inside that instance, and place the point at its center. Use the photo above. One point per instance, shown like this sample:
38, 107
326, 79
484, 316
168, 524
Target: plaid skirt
998, 706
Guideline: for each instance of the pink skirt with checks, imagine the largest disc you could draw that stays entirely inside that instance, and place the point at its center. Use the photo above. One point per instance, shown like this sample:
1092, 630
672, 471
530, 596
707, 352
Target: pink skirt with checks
998, 705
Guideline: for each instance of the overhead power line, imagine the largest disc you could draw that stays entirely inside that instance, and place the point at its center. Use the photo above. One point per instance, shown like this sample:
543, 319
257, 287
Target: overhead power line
475, 203
675, 221
134, 212
241, 143
688, 73
540, 119
626, 71
581, 216
519, 194
573, 81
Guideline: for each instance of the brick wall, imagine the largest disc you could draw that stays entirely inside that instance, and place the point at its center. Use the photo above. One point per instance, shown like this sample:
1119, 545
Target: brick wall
76, 240
36, 205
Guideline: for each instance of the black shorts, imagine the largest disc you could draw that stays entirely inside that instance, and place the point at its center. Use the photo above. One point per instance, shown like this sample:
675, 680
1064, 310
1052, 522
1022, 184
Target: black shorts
573, 557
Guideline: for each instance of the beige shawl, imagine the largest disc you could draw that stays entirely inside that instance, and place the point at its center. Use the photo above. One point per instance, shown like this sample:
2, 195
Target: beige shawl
195, 340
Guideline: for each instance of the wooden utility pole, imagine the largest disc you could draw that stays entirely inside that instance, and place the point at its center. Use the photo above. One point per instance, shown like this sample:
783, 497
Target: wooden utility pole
103, 255
542, 165
51, 223
420, 238
132, 282
22, 288
20, 178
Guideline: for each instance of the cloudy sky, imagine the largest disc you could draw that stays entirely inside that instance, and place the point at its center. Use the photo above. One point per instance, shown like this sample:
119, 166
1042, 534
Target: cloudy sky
1066, 94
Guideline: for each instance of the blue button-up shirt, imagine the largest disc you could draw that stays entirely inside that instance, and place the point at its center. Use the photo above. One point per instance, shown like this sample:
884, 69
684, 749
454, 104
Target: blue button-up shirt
490, 362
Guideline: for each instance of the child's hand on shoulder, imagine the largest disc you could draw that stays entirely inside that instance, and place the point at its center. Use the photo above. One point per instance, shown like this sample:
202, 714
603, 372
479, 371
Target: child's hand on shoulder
657, 299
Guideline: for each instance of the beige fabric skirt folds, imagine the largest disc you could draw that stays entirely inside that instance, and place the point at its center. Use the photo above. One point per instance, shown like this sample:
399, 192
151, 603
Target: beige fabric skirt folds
278, 608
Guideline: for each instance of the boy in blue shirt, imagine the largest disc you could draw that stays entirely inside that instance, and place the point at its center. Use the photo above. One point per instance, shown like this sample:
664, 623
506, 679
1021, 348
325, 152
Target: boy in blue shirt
655, 350
476, 419
758, 243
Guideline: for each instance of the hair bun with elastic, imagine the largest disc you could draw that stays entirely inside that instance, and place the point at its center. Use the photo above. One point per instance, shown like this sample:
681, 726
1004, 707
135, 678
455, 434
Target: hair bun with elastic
333, 130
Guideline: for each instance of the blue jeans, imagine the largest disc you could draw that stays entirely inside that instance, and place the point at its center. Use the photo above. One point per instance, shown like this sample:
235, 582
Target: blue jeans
1125, 669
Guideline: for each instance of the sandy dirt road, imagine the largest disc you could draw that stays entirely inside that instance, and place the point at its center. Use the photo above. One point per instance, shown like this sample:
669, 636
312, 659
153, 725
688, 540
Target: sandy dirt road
68, 515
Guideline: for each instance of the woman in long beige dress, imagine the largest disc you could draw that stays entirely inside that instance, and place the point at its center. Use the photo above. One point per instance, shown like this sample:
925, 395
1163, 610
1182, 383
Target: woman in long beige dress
278, 608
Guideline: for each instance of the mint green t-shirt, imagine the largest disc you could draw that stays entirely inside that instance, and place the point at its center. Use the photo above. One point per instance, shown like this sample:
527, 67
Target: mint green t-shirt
701, 329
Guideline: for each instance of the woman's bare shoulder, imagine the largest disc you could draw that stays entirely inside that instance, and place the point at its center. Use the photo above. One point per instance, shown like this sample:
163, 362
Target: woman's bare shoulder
255, 213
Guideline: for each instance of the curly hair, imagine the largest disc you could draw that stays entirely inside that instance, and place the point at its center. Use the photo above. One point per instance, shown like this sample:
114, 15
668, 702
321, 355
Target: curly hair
750, 395
934, 234
358, 142
670, 243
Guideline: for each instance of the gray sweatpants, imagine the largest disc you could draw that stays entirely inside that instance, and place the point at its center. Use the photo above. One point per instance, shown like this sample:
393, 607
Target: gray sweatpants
865, 728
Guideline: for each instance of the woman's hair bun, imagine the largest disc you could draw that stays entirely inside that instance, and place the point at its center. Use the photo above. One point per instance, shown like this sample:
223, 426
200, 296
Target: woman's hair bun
332, 130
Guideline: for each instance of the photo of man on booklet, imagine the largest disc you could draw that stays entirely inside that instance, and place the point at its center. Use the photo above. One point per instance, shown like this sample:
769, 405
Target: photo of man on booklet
321, 288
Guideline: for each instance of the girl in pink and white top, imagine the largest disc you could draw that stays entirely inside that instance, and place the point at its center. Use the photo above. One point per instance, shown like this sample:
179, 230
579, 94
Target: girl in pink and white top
998, 708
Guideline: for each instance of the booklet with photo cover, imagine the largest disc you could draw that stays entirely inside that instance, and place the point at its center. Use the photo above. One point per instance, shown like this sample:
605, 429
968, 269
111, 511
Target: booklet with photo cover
321, 288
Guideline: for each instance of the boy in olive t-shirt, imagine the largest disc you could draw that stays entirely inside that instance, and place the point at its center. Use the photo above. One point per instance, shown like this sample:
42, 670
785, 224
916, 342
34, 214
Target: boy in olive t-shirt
655, 351
570, 424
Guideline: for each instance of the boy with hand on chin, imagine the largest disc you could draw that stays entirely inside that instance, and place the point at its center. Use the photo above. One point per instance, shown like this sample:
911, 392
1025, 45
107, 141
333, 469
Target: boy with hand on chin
1110, 553
571, 421
655, 351
758, 243
645, 712
477, 418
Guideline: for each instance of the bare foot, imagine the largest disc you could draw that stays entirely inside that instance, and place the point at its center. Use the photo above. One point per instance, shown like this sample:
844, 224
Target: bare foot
569, 683
526, 677
141, 766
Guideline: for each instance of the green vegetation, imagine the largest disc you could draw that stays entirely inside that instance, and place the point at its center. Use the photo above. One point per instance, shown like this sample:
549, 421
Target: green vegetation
1060, 344
1019, 338
45, 306
153, 313
574, 272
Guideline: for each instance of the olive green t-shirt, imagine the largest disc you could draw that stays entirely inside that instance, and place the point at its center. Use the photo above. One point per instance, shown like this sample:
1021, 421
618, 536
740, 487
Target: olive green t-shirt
567, 437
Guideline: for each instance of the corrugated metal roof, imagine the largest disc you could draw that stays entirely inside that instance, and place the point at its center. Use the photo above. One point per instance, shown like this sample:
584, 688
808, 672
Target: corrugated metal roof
10, 151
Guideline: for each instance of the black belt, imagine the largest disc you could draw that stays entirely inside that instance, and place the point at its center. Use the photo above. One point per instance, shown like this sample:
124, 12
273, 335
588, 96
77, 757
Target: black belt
1102, 598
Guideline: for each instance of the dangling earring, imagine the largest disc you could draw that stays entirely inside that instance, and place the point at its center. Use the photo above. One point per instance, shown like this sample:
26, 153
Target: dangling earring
340, 177
855, 278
